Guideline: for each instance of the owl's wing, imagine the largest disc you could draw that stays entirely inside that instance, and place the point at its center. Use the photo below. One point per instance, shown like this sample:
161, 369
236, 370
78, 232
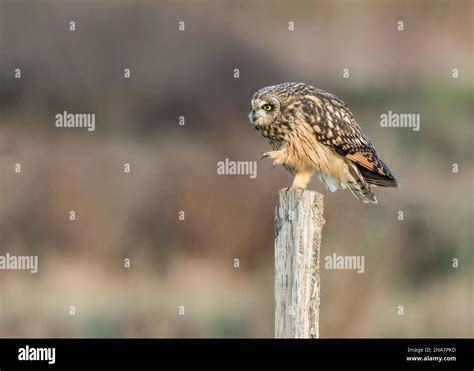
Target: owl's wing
335, 126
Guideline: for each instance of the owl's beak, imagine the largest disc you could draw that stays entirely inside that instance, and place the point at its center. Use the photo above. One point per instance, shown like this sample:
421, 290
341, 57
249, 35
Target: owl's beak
252, 117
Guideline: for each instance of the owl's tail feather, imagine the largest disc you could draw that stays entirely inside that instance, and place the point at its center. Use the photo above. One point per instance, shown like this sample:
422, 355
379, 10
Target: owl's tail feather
359, 186
365, 194
374, 178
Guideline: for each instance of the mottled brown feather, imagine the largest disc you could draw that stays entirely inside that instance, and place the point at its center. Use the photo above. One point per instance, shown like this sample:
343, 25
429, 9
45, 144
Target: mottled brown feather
335, 126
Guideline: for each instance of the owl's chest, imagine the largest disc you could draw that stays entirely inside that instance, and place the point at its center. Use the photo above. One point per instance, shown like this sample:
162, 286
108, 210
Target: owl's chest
276, 144
274, 132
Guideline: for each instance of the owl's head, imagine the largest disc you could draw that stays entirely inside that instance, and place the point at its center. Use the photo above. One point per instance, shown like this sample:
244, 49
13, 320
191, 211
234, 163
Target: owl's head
265, 107
268, 103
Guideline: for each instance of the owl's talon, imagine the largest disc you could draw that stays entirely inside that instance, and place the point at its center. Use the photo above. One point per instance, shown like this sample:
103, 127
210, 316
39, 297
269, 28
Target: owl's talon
291, 188
277, 157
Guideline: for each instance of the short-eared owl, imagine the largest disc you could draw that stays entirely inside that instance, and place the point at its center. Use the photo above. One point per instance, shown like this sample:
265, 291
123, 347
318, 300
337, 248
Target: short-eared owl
313, 132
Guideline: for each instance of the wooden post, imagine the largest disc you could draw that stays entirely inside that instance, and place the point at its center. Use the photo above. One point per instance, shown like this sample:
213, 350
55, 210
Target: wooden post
299, 222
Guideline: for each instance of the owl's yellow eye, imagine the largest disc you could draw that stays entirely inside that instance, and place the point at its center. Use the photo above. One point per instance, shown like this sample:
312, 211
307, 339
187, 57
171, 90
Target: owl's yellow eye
267, 107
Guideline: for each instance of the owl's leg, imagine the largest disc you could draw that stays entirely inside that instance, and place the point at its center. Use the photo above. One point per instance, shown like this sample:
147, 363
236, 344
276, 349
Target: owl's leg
278, 157
301, 180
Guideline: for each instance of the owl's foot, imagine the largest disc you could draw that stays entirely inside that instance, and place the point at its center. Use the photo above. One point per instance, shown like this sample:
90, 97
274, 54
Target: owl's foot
278, 157
301, 180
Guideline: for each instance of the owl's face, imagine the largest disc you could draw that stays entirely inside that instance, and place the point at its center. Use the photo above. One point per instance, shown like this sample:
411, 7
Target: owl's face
265, 110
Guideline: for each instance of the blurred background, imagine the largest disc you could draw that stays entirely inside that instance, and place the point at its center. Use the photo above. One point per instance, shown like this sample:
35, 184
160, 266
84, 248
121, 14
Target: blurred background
190, 262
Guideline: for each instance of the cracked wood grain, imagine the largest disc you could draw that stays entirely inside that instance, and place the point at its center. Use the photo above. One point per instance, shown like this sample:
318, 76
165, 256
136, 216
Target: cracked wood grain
299, 222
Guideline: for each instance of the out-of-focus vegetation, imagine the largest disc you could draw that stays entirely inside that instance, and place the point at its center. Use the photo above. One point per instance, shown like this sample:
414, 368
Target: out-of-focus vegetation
191, 262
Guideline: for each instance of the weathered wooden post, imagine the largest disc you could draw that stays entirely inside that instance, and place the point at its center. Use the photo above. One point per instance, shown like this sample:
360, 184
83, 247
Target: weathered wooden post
299, 222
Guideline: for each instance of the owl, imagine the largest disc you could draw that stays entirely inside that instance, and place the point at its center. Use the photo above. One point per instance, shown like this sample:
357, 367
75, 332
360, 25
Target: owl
312, 132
